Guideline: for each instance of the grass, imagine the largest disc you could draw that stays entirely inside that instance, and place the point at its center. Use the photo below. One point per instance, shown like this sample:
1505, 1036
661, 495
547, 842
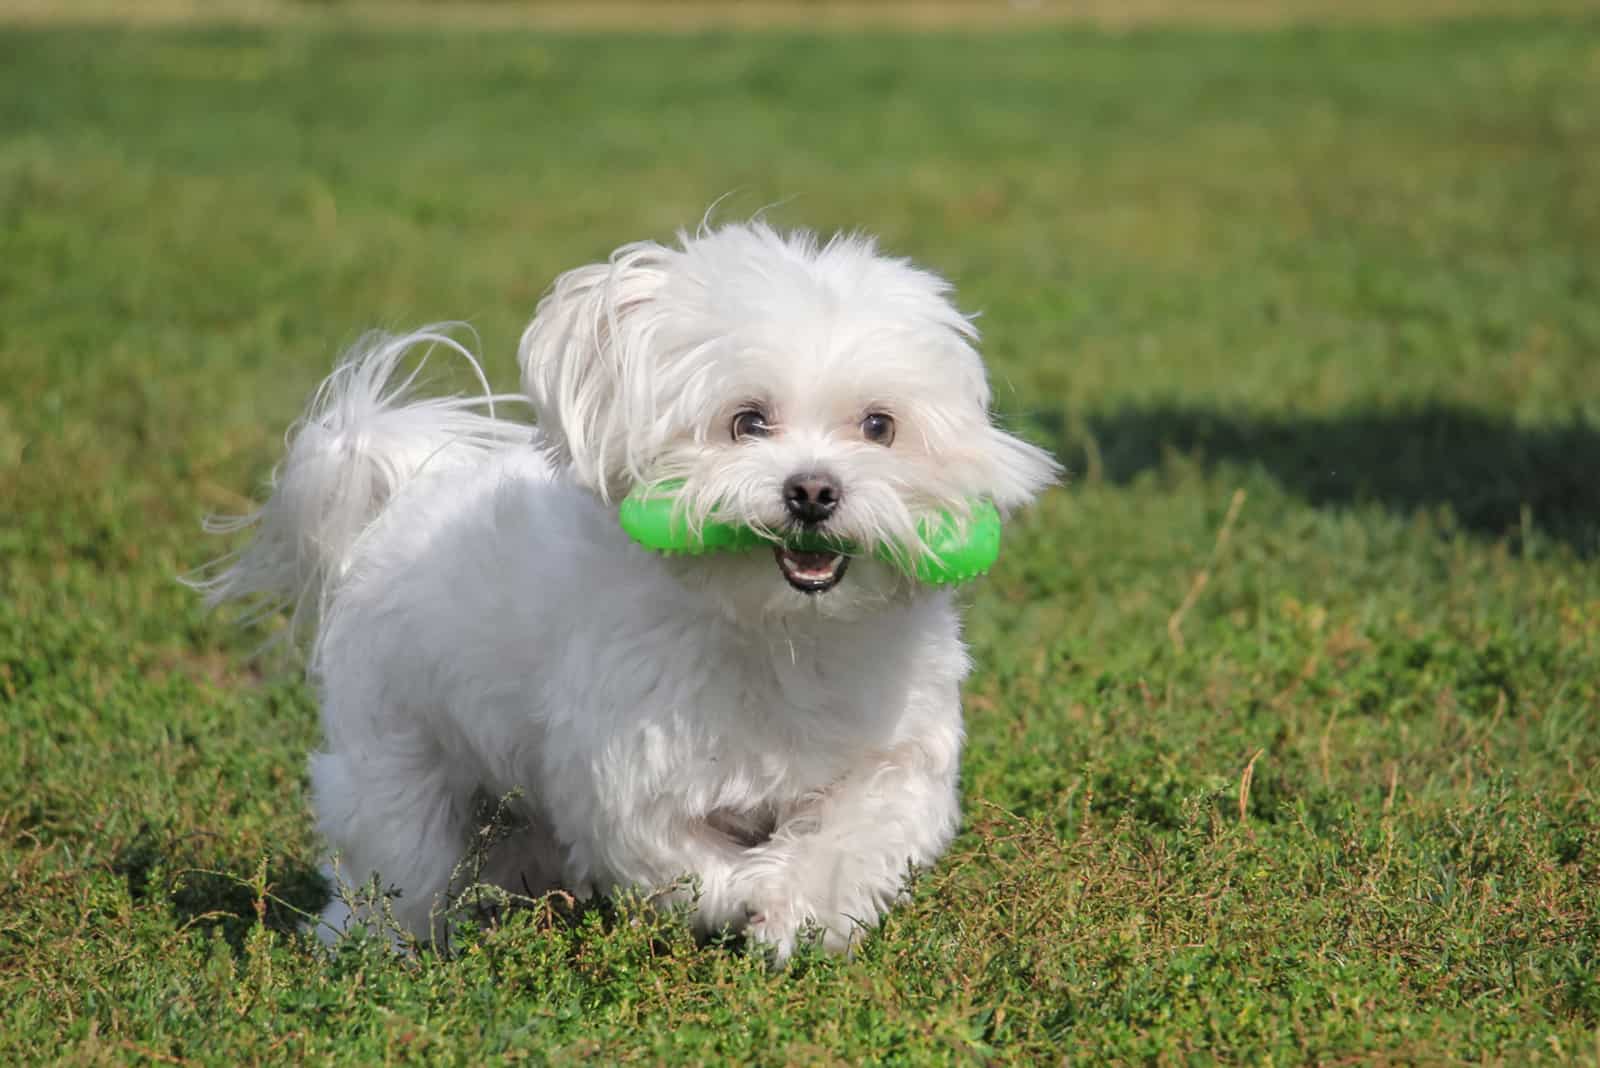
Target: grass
700, 15
1285, 731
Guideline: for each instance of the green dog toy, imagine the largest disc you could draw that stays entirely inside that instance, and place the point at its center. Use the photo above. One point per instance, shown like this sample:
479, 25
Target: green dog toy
955, 555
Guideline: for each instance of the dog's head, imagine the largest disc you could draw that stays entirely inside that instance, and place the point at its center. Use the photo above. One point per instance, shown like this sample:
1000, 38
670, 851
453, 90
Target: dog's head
788, 384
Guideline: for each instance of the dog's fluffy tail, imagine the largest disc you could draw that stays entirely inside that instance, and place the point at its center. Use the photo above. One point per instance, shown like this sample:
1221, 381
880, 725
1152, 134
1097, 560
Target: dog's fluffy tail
363, 436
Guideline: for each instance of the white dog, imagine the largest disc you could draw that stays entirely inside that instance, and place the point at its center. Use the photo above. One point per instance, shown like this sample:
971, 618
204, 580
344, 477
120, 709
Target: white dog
761, 736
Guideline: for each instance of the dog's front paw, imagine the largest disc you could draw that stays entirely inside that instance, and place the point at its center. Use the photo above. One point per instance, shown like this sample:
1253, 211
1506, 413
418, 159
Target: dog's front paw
778, 924
774, 926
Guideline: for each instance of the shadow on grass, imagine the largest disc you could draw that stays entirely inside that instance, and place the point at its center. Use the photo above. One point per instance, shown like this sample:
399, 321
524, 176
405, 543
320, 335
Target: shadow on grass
1498, 479
234, 896
231, 897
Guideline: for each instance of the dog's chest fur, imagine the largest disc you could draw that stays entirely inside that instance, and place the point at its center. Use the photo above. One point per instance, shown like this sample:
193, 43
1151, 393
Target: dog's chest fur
727, 721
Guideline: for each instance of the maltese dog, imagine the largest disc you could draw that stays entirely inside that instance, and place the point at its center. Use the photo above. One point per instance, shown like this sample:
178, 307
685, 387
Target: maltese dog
768, 738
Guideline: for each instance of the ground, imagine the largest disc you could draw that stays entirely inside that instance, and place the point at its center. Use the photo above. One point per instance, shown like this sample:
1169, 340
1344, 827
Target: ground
1285, 727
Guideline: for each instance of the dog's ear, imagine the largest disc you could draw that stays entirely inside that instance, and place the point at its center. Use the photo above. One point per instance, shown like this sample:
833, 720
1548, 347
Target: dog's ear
1013, 472
585, 362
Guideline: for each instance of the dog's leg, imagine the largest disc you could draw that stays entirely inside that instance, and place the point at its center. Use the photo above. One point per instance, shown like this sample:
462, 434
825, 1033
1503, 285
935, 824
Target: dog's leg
840, 860
653, 848
526, 862
394, 813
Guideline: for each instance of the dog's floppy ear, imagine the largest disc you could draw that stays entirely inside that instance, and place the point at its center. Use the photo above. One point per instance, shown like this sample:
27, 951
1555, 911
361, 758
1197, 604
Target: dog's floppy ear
585, 362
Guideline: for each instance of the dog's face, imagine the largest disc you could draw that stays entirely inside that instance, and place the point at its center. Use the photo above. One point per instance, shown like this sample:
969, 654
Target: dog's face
789, 386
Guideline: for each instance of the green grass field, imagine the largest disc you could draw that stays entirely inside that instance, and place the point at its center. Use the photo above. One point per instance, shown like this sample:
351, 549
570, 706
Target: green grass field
1312, 315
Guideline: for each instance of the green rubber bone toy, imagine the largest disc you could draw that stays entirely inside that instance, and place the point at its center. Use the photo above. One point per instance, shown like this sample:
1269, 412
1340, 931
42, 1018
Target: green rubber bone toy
956, 553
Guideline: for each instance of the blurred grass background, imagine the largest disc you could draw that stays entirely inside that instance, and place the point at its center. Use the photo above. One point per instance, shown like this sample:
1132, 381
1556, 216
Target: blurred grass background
669, 15
1304, 294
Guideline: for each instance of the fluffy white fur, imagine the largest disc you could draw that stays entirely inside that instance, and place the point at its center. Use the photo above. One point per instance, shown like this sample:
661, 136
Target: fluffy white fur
697, 728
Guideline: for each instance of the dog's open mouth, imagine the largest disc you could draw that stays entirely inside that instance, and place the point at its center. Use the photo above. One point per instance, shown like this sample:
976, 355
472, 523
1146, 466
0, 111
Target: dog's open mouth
811, 572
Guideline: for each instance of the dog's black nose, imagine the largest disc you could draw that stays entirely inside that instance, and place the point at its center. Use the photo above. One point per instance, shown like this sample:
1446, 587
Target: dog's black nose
811, 498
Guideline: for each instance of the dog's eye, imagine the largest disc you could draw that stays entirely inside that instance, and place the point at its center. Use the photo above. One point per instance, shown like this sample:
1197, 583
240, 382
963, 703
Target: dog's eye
878, 427
750, 423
